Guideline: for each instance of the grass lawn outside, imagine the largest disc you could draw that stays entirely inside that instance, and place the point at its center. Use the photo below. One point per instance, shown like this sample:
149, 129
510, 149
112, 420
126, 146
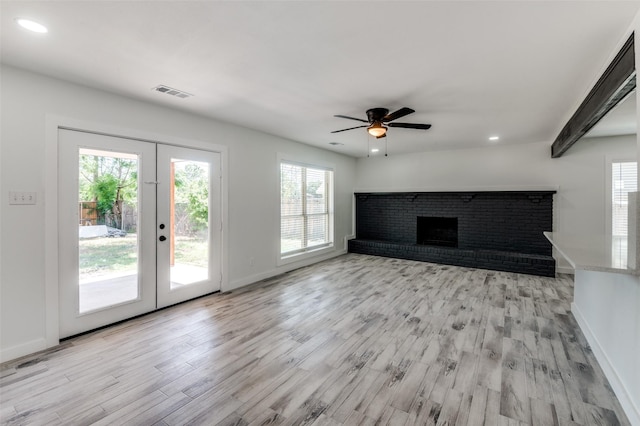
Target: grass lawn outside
102, 256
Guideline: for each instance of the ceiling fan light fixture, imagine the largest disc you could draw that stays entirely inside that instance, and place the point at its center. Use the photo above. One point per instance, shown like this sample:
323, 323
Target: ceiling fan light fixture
377, 130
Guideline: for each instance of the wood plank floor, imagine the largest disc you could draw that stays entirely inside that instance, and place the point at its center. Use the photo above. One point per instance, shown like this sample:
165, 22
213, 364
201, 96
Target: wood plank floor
354, 340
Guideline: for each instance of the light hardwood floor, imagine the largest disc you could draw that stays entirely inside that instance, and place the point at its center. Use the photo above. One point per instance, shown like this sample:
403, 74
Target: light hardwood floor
354, 340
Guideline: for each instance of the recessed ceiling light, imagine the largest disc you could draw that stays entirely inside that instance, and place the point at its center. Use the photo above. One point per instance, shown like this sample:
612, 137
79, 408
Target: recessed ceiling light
494, 138
375, 150
32, 25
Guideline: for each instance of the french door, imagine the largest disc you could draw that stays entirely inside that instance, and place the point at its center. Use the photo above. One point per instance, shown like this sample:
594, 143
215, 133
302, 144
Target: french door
139, 227
188, 224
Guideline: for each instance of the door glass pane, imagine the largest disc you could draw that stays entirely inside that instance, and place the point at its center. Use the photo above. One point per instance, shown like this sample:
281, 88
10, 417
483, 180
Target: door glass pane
189, 215
108, 239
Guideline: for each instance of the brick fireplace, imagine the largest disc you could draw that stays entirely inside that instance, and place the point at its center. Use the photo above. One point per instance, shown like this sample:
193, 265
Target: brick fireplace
500, 230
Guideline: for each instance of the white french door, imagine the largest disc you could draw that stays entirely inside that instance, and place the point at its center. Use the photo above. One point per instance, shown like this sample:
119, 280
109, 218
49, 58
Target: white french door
139, 227
188, 215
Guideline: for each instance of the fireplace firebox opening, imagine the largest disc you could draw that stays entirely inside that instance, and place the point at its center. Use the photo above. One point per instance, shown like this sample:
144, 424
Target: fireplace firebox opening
437, 231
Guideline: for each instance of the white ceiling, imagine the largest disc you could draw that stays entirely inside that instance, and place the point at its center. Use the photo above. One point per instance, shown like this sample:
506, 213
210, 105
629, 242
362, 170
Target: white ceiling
472, 69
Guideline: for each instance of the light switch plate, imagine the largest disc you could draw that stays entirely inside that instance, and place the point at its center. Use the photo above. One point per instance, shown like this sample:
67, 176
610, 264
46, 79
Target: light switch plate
22, 197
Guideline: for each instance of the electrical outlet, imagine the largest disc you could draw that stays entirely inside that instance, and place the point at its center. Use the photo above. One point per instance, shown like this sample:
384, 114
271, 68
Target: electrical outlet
22, 198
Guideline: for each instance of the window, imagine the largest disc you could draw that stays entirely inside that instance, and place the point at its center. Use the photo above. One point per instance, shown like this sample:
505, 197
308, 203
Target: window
306, 208
624, 179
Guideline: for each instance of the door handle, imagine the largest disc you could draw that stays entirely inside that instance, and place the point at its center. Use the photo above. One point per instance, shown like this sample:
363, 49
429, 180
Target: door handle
162, 238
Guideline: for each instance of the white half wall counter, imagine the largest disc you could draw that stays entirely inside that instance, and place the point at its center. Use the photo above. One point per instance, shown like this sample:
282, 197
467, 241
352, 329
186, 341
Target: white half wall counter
606, 305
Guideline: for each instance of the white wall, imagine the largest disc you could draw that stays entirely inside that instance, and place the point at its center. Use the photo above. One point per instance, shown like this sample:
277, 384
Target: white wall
613, 334
253, 195
579, 175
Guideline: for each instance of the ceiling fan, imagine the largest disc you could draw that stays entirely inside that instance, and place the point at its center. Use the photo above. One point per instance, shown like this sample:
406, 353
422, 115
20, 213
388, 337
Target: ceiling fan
379, 119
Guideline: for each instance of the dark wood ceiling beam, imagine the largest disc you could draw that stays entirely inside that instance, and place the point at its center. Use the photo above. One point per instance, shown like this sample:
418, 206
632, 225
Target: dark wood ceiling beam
618, 80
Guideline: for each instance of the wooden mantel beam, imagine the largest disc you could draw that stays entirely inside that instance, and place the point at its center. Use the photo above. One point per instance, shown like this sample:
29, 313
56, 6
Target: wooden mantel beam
618, 80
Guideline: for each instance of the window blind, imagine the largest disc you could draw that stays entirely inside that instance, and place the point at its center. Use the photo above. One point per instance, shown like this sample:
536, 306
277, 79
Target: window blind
305, 213
624, 179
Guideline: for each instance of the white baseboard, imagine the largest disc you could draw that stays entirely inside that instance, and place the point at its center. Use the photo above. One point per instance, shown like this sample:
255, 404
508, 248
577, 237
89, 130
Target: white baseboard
27, 348
251, 279
245, 281
565, 270
624, 397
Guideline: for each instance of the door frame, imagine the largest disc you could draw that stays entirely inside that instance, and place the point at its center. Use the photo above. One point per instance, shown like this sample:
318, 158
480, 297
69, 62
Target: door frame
55, 122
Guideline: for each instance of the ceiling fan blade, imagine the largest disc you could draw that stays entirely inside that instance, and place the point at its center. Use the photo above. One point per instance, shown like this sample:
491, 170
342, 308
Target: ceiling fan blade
350, 128
351, 118
397, 114
410, 126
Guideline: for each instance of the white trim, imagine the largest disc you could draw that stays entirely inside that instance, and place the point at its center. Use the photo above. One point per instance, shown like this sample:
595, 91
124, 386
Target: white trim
52, 123
308, 254
311, 255
624, 396
608, 201
295, 159
565, 270
50, 185
23, 349
320, 166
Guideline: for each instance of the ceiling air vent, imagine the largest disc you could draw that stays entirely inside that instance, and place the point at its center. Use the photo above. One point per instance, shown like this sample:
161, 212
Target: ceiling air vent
171, 91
